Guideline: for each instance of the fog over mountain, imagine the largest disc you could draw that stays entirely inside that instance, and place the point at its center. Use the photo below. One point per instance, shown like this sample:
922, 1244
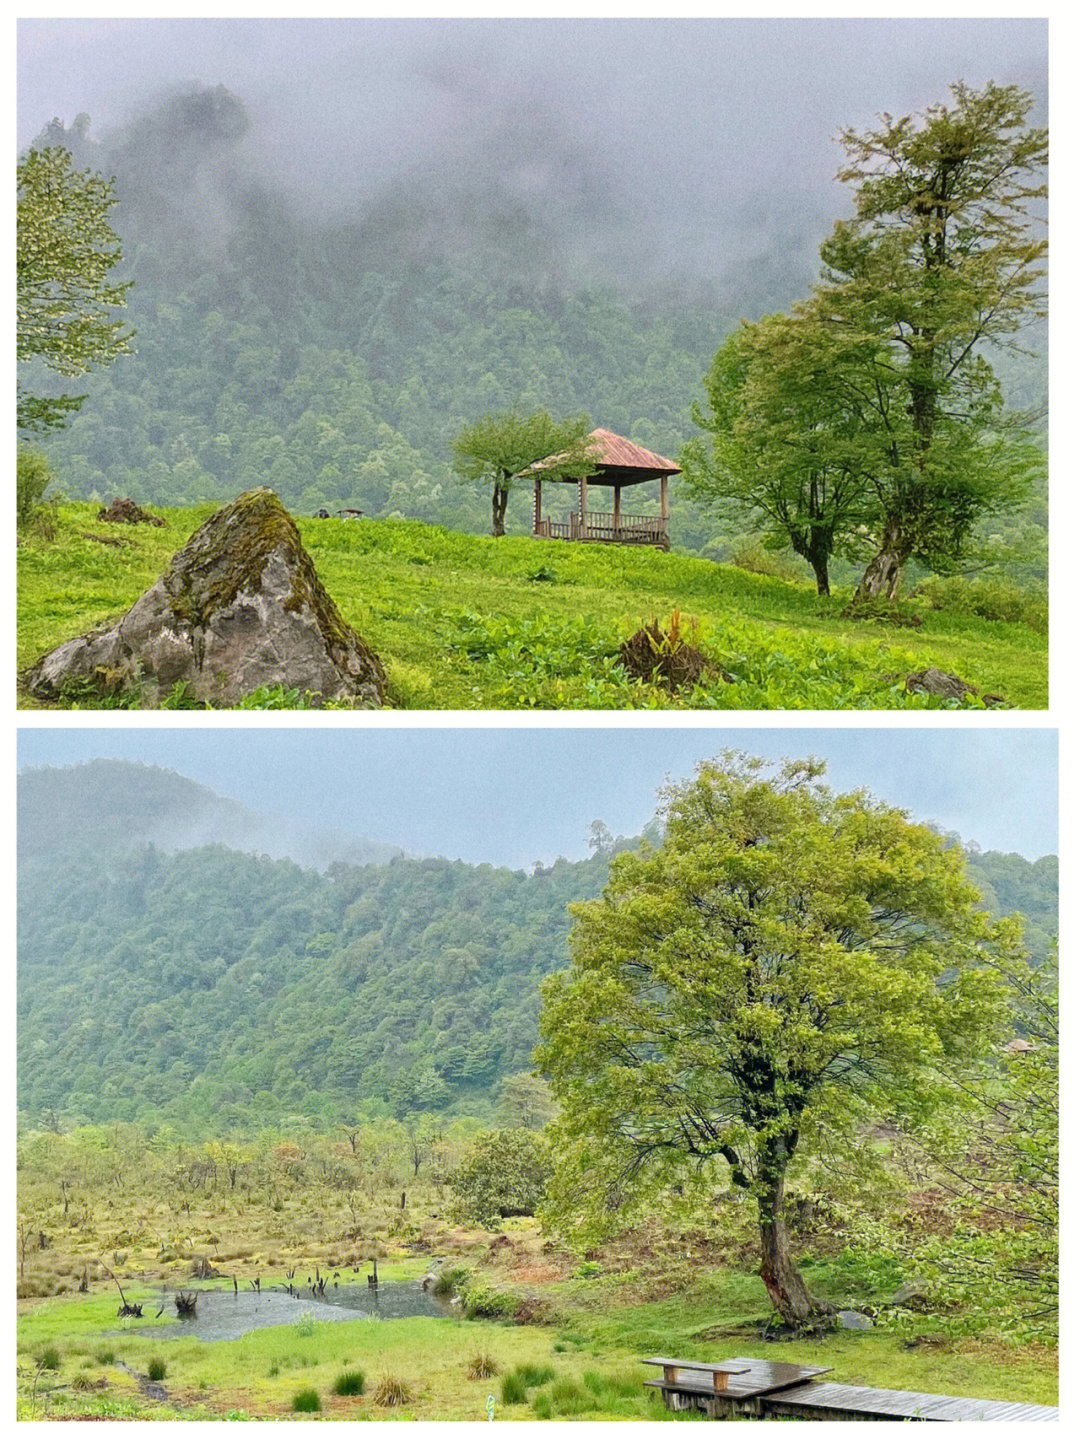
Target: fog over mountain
109, 805
646, 152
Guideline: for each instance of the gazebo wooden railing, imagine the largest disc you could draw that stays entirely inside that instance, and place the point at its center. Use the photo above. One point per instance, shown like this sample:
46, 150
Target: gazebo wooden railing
606, 527
618, 463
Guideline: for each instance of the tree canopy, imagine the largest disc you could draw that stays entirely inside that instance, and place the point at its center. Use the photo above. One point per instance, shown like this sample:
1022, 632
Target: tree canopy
870, 416
499, 445
66, 299
786, 964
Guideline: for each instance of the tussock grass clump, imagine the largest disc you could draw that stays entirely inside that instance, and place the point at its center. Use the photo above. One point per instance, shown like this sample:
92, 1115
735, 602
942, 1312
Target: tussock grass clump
106, 1356
482, 1366
390, 1392
512, 1389
156, 1369
533, 1375
306, 1401
349, 1381
49, 1358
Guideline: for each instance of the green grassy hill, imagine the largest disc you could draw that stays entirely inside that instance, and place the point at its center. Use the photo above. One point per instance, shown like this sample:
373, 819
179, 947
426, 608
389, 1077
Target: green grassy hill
464, 622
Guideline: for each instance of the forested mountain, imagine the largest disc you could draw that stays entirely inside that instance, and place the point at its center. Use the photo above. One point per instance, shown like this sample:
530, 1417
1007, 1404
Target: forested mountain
334, 355
111, 804
217, 989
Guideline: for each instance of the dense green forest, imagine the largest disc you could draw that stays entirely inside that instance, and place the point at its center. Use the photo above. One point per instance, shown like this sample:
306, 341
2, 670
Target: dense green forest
334, 359
214, 989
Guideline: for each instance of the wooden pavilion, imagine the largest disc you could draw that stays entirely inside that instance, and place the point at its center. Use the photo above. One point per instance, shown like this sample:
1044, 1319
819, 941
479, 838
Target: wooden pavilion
619, 463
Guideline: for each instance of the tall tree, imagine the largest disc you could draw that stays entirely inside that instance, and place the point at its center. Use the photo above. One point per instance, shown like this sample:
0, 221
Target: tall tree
940, 264
788, 425
787, 964
500, 445
66, 298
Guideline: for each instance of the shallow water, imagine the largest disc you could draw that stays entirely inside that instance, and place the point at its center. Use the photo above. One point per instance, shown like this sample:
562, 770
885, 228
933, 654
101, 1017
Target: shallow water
223, 1315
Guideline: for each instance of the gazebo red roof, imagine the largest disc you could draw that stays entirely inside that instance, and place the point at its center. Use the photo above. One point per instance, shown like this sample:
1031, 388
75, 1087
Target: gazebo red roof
617, 458
623, 454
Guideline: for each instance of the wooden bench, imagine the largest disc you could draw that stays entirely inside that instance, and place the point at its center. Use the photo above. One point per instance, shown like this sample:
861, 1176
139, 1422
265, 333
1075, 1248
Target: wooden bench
720, 1372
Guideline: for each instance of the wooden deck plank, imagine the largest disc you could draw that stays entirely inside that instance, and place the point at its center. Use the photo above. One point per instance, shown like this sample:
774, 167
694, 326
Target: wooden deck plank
909, 1404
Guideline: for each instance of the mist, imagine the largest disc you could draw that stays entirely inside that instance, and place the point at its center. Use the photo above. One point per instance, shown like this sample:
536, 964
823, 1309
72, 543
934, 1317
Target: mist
638, 152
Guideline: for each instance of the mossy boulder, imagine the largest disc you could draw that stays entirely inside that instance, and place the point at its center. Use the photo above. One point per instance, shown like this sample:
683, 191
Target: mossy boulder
240, 607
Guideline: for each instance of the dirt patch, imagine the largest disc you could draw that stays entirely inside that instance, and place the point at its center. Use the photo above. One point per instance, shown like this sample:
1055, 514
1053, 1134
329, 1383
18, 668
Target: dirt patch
127, 512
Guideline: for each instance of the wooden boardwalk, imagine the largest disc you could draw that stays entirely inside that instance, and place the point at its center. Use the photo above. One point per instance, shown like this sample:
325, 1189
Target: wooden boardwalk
763, 1389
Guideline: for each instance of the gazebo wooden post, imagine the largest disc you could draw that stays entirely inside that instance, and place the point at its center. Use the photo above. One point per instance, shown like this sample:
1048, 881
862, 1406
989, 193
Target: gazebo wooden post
663, 501
583, 502
617, 508
536, 505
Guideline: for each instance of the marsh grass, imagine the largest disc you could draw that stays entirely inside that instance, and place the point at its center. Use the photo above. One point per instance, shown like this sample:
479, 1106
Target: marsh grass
390, 1392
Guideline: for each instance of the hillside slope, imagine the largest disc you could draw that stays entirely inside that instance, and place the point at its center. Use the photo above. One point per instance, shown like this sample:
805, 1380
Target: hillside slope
109, 803
465, 622
213, 989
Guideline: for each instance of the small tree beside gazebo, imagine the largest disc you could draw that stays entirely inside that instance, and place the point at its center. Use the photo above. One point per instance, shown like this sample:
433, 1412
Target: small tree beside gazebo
616, 464
499, 447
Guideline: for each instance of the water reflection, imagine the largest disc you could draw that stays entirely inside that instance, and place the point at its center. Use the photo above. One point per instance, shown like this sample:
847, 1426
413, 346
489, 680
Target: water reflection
223, 1315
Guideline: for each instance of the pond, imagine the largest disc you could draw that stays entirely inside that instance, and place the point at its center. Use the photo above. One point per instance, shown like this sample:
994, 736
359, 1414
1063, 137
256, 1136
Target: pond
223, 1315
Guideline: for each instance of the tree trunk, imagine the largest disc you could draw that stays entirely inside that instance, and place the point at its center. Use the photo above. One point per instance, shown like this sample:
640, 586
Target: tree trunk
814, 545
882, 577
499, 496
787, 1288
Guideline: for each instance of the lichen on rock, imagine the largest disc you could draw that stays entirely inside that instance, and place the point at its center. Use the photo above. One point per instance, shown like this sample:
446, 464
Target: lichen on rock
239, 608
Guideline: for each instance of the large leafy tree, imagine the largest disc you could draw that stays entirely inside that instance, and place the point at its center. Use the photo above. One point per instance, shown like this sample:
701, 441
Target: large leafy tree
788, 424
869, 419
940, 264
785, 966
498, 446
67, 300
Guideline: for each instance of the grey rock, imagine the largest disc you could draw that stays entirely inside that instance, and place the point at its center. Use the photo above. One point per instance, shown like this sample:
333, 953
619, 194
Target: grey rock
240, 607
914, 1293
852, 1319
933, 681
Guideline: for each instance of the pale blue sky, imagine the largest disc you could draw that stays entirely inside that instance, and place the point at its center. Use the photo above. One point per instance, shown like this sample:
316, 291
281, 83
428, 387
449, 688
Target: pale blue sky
515, 795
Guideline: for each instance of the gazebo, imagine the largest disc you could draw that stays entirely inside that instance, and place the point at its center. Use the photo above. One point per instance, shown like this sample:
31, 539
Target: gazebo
619, 463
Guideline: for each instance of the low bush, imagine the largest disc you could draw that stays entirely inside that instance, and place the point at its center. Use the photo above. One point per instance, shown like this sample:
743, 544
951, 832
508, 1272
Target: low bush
350, 1381
306, 1401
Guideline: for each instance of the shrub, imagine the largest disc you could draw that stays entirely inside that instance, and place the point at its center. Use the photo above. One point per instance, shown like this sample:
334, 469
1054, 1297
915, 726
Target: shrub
503, 1174
390, 1392
156, 1370
481, 1366
306, 1401
32, 478
350, 1381
986, 597
447, 1280
481, 1301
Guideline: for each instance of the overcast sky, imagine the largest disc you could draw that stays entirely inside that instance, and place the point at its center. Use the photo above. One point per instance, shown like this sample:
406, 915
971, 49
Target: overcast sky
702, 145
513, 796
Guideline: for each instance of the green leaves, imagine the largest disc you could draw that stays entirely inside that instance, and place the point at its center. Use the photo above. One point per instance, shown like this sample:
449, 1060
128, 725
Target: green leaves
786, 958
65, 298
